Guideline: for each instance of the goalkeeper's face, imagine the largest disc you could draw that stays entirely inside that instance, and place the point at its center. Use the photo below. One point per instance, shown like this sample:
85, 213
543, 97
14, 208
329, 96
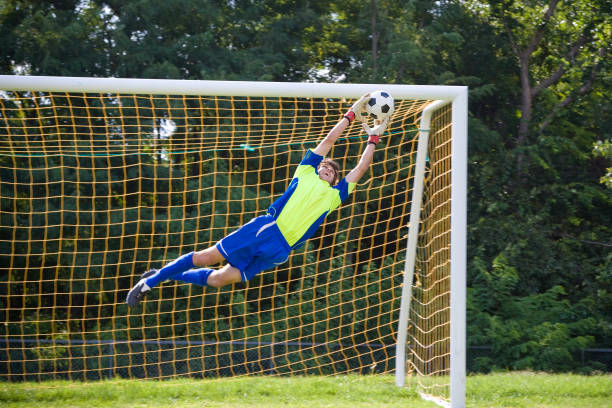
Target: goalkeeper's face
328, 173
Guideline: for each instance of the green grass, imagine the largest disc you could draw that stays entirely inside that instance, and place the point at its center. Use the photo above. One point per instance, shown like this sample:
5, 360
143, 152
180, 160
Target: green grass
539, 390
495, 390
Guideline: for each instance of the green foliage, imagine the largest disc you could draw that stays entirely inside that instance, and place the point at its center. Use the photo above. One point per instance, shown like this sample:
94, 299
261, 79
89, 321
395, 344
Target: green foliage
604, 150
540, 331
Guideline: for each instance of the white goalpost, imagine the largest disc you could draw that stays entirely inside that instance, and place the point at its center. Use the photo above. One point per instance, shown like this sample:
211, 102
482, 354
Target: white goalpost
458, 248
429, 352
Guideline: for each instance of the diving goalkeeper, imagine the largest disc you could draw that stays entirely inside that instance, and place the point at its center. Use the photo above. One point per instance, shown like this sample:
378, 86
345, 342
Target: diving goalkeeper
266, 241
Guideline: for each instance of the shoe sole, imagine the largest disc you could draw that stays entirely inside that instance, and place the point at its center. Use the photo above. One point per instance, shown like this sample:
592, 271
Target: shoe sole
132, 296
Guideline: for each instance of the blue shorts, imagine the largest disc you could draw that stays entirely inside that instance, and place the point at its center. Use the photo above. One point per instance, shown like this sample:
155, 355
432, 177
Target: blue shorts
255, 246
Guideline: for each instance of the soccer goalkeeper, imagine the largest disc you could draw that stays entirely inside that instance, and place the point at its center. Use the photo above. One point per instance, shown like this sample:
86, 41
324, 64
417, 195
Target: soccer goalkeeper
266, 241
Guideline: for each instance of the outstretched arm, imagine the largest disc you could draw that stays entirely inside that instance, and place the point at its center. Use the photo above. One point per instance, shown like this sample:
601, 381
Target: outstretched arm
364, 164
368, 154
328, 142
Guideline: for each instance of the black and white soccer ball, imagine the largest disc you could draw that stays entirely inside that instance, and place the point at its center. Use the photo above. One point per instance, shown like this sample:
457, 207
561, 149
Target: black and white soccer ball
380, 105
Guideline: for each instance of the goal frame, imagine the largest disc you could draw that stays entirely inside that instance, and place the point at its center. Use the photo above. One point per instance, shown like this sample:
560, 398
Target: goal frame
457, 96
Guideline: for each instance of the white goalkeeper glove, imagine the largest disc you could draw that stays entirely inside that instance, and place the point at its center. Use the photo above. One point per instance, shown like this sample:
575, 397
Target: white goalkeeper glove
377, 131
356, 111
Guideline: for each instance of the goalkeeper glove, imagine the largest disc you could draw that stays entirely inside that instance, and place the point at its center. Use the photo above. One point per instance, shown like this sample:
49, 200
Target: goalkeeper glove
375, 132
356, 111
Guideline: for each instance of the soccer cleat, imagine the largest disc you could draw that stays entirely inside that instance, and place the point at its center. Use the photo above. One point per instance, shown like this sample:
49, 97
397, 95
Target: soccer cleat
137, 293
148, 273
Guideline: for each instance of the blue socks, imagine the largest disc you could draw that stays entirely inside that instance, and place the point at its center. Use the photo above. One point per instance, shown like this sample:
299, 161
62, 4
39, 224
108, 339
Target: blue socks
174, 268
179, 270
196, 276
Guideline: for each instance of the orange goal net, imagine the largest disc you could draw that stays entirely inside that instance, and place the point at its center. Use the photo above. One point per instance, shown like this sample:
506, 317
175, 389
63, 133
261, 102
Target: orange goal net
98, 187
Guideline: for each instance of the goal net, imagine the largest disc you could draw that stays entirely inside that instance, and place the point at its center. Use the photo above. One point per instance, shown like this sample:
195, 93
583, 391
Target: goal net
102, 179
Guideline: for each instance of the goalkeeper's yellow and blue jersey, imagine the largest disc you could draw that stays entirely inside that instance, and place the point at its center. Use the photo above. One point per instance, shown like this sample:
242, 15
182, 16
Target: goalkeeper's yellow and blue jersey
308, 200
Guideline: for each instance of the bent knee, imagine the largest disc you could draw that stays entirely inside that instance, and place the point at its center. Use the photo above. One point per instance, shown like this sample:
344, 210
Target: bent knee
224, 277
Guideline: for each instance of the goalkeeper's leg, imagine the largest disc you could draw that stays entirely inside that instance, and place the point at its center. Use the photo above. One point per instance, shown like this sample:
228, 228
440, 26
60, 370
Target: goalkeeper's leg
211, 277
179, 266
184, 263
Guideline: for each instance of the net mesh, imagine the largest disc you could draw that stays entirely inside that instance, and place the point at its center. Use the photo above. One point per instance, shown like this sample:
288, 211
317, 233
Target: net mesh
98, 188
429, 320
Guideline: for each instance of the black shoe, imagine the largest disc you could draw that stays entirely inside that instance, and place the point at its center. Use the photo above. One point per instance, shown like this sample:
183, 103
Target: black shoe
137, 293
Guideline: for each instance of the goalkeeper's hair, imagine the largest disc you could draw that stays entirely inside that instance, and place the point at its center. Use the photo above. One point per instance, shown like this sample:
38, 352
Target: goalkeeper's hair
334, 165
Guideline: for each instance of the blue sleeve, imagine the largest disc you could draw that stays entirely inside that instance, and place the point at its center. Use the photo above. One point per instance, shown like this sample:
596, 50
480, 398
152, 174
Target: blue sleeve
343, 189
311, 159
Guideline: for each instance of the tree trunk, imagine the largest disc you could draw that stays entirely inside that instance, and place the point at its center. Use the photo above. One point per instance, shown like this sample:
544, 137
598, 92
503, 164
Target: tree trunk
374, 36
526, 108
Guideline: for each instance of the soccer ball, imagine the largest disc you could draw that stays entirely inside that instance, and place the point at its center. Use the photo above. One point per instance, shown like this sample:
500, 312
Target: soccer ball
380, 105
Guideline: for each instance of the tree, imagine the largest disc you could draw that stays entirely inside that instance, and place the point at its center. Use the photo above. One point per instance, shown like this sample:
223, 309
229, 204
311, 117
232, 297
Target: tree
52, 38
560, 47
194, 39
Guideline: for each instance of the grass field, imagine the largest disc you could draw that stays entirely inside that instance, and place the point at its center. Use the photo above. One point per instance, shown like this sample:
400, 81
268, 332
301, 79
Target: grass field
495, 390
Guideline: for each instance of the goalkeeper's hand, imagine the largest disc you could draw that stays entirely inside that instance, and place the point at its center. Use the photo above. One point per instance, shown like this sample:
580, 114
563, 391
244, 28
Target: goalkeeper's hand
377, 131
356, 111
